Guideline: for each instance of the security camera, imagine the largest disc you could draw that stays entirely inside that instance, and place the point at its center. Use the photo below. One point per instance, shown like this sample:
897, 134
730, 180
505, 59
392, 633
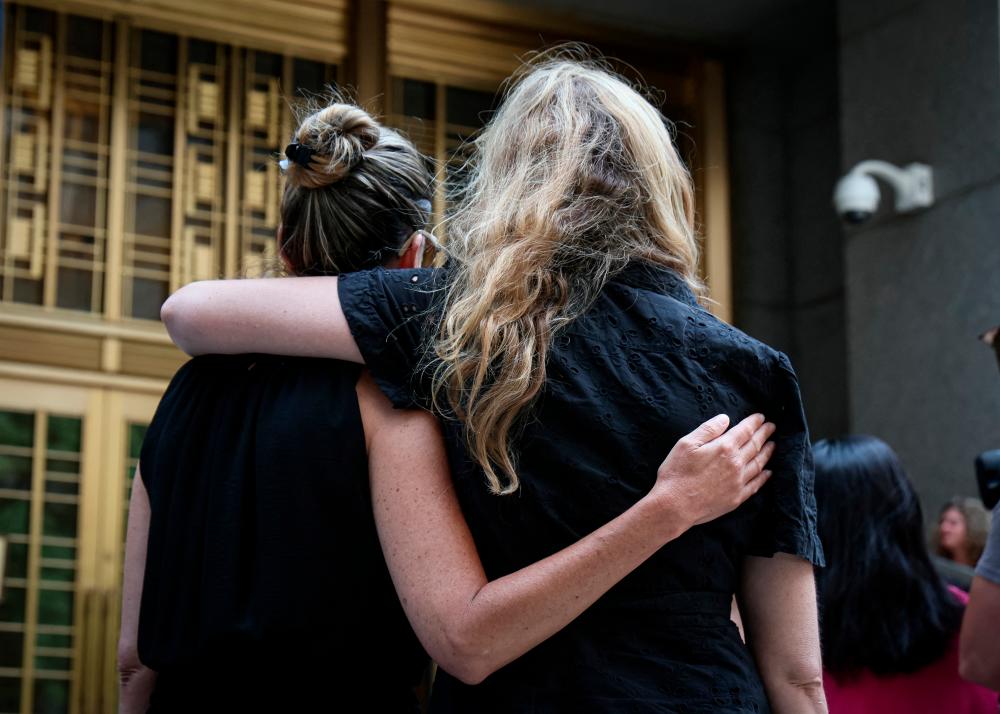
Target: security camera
857, 195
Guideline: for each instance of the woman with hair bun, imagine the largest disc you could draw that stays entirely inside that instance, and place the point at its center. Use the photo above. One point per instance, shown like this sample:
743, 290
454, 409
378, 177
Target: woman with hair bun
563, 346
269, 488
890, 624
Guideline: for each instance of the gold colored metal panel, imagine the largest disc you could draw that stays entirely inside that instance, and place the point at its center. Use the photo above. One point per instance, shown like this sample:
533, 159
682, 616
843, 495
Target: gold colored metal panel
715, 194
315, 29
59, 349
147, 360
34, 377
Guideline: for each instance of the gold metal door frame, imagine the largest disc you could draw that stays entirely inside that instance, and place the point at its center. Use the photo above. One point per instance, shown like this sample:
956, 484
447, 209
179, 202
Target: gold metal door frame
105, 416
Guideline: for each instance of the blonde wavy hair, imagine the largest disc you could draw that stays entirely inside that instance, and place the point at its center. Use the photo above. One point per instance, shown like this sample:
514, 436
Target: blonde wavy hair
575, 176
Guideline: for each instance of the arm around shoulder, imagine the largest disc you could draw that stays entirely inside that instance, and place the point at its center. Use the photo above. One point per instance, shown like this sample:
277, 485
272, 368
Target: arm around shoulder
291, 316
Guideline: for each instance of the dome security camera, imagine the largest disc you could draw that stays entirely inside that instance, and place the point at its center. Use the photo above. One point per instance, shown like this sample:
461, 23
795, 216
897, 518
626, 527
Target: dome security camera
857, 195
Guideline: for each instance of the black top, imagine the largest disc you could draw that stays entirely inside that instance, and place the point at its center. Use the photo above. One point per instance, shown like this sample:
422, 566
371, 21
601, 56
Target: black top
642, 368
265, 587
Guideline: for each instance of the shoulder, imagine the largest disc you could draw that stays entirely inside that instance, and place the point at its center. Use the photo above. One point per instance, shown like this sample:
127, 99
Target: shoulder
417, 285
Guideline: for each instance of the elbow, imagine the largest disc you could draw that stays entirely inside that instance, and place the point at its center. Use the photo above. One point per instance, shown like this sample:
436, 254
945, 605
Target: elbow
128, 662
180, 315
465, 658
801, 681
979, 667
467, 672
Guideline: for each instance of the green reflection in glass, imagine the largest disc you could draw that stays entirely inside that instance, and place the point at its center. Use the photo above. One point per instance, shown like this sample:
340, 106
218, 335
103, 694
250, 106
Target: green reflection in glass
58, 551
51, 696
64, 434
14, 516
17, 560
55, 607
63, 466
15, 472
50, 640
12, 607
59, 520
136, 434
17, 428
57, 664
59, 575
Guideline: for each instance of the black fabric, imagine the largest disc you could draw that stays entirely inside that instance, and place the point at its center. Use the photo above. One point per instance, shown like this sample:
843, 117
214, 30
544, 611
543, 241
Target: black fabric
642, 368
265, 587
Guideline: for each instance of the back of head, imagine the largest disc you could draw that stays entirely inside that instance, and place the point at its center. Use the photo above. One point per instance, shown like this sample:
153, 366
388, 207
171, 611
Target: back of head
355, 191
574, 176
883, 606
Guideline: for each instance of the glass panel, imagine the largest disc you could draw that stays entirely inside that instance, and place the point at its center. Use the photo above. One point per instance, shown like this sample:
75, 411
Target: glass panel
64, 434
76, 289
59, 520
38, 20
147, 297
155, 134
468, 107
158, 51
52, 696
15, 471
81, 124
152, 216
14, 515
136, 434
310, 77
78, 204
55, 607
202, 51
17, 560
12, 606
419, 99
85, 38
10, 648
17, 428
10, 694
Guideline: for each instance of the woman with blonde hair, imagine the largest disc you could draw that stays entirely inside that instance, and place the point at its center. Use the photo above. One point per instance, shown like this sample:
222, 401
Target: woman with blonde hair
267, 484
563, 347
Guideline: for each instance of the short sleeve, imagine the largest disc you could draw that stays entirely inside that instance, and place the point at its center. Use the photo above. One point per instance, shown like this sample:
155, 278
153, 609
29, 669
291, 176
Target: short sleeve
989, 564
787, 521
392, 315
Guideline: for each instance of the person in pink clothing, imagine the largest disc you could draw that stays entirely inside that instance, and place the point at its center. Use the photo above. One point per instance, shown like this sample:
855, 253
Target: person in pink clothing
889, 624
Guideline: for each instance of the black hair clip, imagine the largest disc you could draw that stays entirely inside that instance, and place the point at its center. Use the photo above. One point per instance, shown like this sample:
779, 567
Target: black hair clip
300, 154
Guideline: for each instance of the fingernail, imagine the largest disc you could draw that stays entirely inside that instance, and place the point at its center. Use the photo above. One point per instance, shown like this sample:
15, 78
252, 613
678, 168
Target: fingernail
766, 473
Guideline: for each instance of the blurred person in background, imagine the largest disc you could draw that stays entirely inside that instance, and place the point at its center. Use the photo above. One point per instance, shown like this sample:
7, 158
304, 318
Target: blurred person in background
980, 653
889, 624
961, 531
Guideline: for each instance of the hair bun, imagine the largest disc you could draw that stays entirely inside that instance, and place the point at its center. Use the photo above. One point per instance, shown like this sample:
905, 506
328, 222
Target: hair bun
340, 134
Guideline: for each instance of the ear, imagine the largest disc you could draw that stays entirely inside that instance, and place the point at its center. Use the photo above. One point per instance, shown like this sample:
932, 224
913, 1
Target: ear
279, 237
413, 253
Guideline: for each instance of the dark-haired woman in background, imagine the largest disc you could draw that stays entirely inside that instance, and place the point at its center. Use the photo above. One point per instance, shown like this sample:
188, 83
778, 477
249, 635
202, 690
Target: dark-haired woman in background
889, 624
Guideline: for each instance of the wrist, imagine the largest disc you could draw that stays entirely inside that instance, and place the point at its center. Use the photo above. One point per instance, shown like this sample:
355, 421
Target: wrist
663, 509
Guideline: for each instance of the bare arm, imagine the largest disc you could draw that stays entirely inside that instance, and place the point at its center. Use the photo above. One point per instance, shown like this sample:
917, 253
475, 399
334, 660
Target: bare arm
299, 317
136, 680
778, 602
979, 654
471, 626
